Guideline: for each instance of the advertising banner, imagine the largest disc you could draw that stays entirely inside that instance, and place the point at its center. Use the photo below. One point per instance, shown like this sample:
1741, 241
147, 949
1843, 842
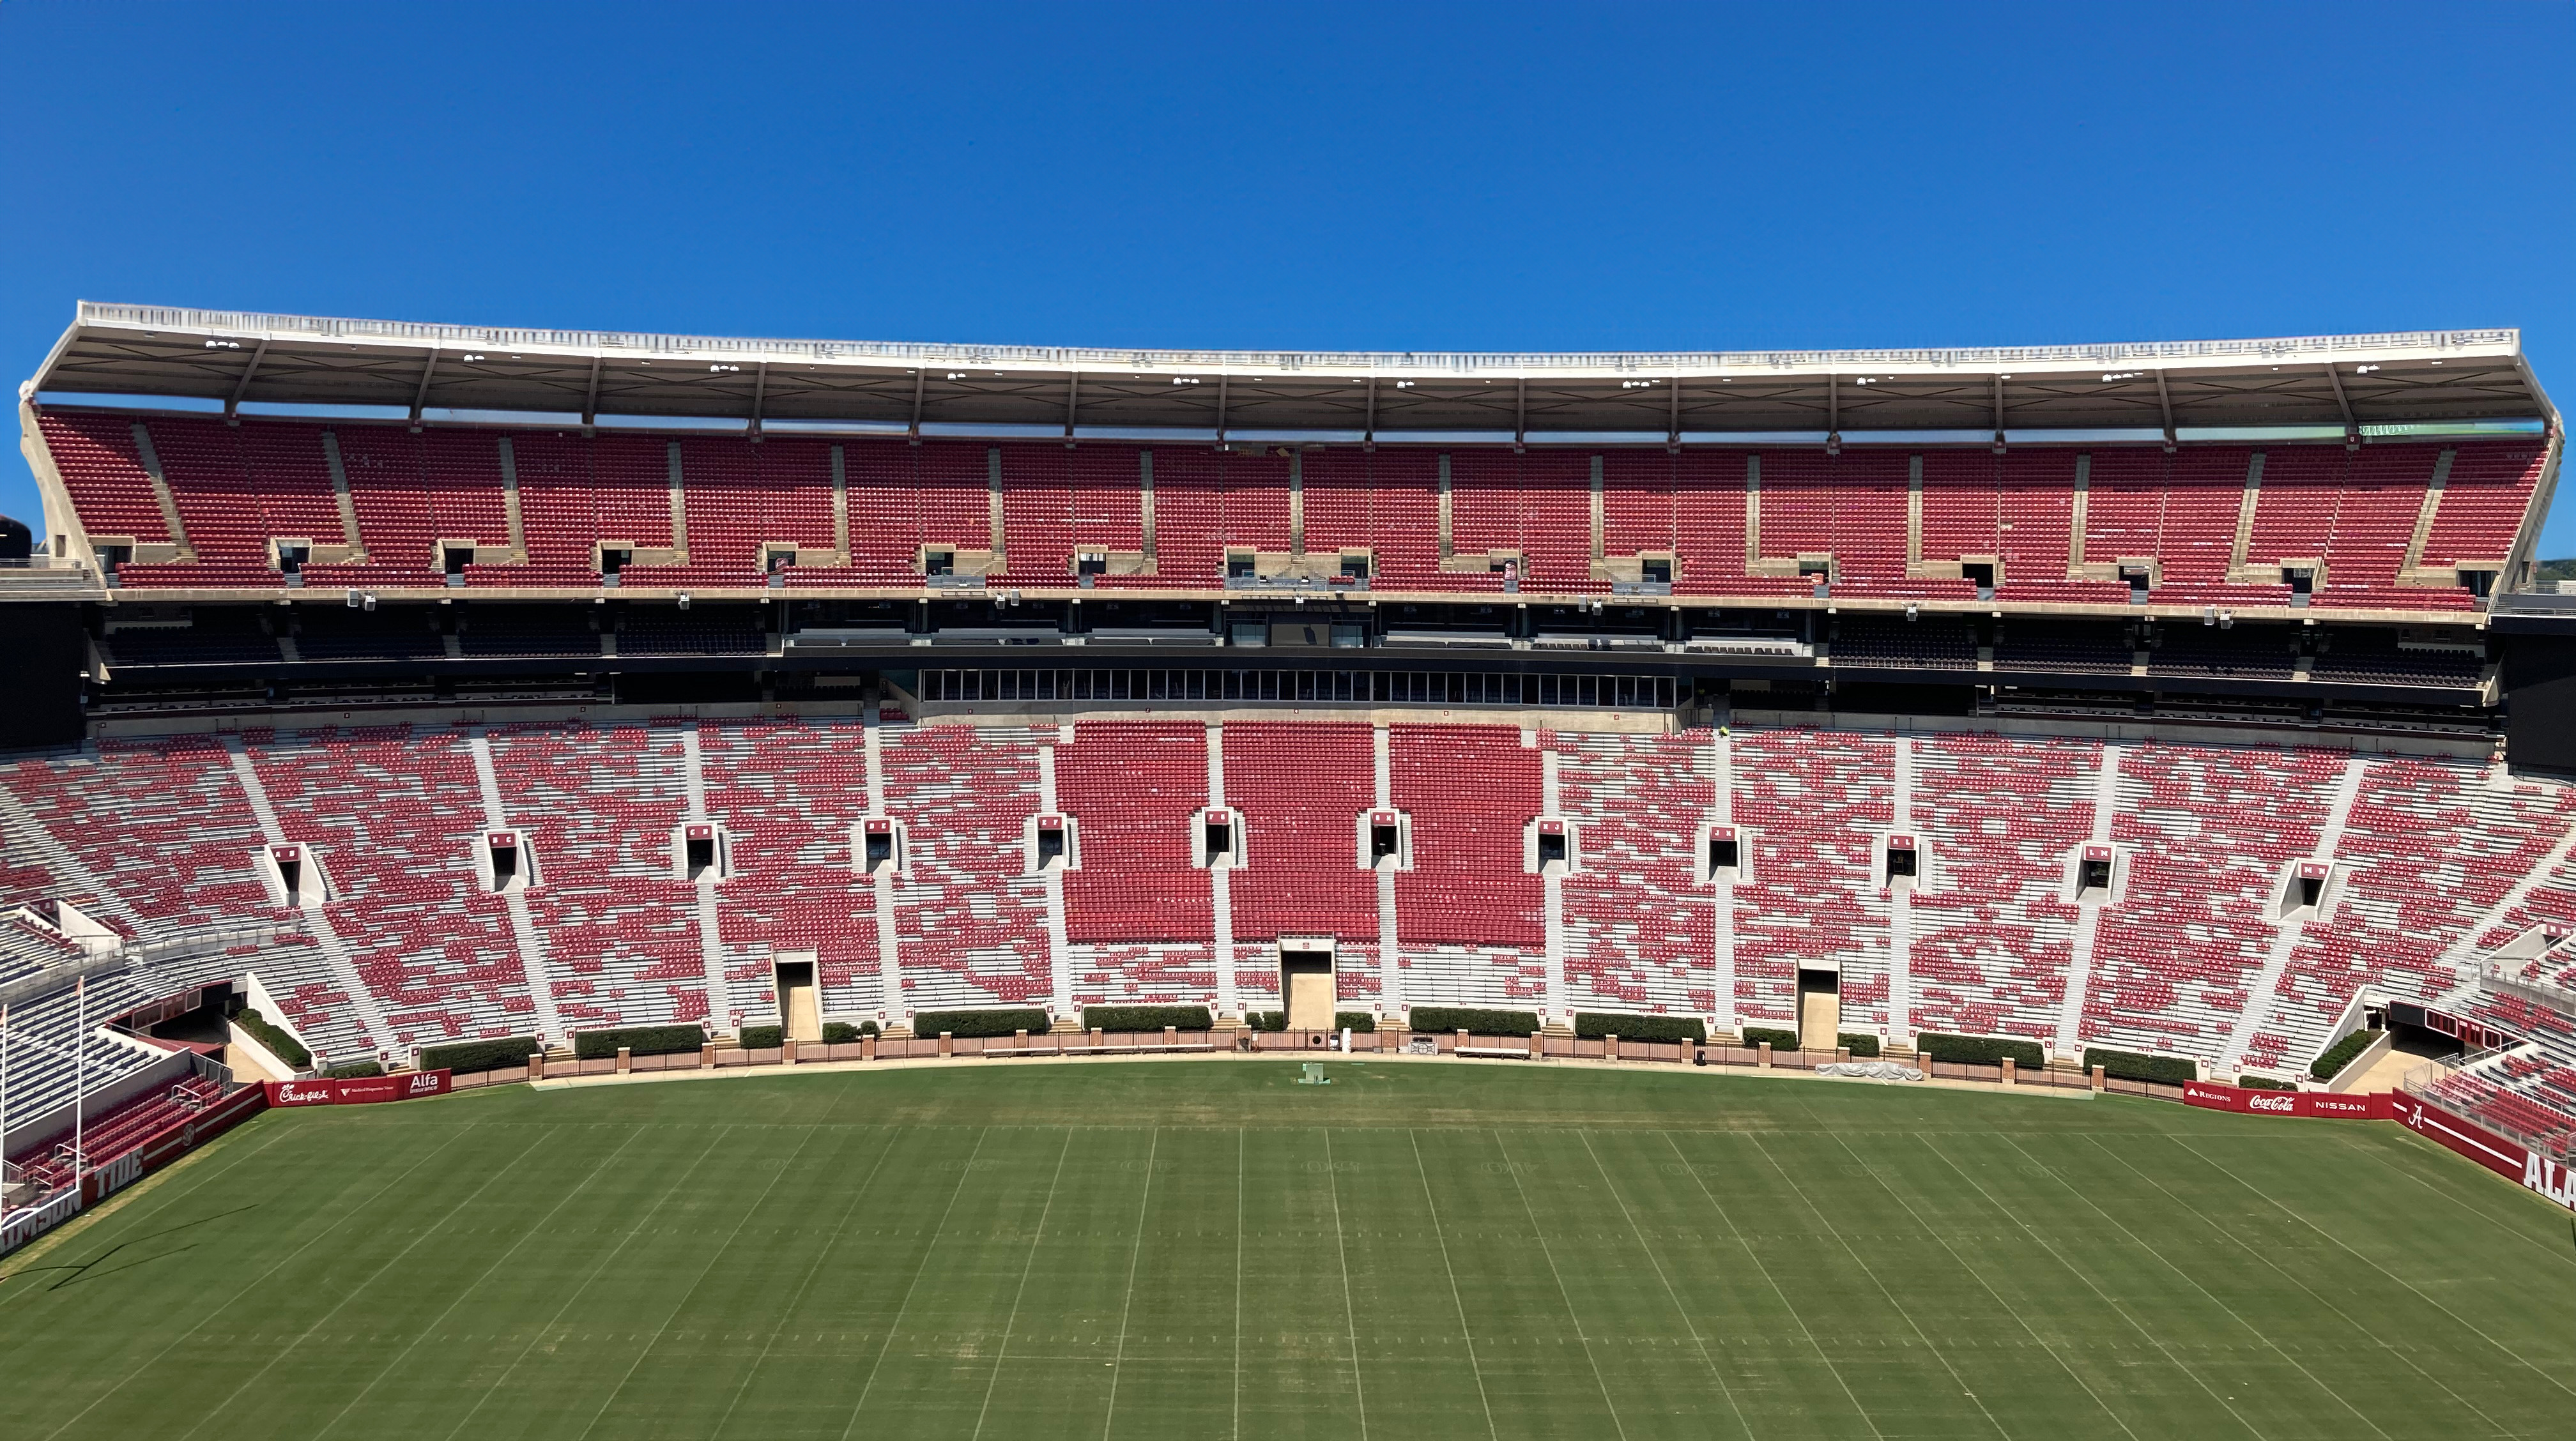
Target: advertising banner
2507, 1158
358, 1091
2209, 1095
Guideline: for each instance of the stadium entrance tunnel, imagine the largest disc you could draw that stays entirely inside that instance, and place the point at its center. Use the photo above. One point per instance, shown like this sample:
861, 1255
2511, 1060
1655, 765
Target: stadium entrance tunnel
1820, 1007
1306, 982
799, 1006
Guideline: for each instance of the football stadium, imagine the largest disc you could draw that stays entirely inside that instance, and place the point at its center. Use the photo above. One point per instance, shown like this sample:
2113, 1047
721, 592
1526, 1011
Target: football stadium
588, 884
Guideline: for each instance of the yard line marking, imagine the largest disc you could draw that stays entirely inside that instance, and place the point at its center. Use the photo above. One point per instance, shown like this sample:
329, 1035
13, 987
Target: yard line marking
918, 1267
2548, 1248
1011, 1322
246, 1286
1548, 1253
2107, 1299
1769, 1280
1127, 1307
597, 1269
714, 1254
2195, 1284
336, 1307
1893, 1304
1350, 1316
2000, 1303
1465, 1332
2374, 1265
812, 1268
1238, 1286
388, 1369
1670, 1291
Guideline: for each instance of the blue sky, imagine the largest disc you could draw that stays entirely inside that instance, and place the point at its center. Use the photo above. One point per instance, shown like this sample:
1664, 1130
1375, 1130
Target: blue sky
1407, 177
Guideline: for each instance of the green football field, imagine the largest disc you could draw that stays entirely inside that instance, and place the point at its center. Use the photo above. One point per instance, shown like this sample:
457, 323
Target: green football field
1206, 1250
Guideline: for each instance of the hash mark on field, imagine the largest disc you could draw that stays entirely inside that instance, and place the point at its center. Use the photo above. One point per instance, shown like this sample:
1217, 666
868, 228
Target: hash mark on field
1773, 1282
1126, 1306
1670, 1292
1350, 1317
918, 1267
1465, 1332
1548, 1253
1037, 1237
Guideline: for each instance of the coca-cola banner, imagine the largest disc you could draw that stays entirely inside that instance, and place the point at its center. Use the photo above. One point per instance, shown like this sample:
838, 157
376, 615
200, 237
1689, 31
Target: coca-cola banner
2250, 1102
358, 1090
2507, 1158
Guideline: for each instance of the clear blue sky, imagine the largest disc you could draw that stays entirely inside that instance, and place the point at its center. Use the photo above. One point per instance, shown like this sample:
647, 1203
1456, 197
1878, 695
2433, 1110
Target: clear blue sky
1472, 177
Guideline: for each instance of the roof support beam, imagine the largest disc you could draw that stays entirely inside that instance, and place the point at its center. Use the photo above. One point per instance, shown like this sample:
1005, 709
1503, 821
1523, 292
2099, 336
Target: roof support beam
759, 398
1520, 415
2351, 432
1999, 412
1072, 398
1368, 427
232, 404
590, 398
1673, 426
2164, 398
420, 397
1220, 409
1833, 414
920, 380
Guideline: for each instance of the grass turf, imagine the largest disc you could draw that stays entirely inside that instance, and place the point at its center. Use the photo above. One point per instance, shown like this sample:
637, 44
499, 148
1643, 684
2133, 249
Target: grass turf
1208, 1251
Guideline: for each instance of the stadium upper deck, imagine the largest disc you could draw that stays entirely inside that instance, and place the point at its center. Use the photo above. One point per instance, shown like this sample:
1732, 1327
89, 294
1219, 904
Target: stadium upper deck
2381, 476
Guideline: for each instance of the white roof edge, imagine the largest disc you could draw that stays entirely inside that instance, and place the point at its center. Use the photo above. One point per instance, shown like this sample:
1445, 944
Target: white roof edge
1288, 364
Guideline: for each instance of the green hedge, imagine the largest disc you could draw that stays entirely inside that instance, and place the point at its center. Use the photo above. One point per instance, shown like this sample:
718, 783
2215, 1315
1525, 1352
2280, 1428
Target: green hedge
1146, 1018
1980, 1050
2264, 1083
1361, 1022
1266, 1020
841, 1033
1780, 1040
353, 1071
2340, 1054
281, 1045
480, 1055
2132, 1066
1593, 1025
642, 1040
1475, 1020
1859, 1045
761, 1038
980, 1023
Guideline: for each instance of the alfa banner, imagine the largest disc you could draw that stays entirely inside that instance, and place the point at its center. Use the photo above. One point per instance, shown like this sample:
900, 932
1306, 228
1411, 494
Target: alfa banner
2211, 1096
2507, 1158
357, 1091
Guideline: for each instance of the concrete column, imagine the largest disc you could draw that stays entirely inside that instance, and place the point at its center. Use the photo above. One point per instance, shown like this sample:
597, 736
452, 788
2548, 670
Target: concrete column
1538, 1045
787, 1051
1171, 1035
867, 1048
625, 1059
707, 1056
947, 1044
2098, 1078
1923, 1063
537, 1066
1762, 1055
1609, 1048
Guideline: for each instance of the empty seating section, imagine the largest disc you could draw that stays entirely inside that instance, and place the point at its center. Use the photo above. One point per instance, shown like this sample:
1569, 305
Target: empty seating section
238, 488
51, 1163
2431, 847
393, 816
1301, 789
162, 825
103, 472
2213, 831
974, 921
1470, 792
2483, 502
1992, 942
1135, 793
1815, 802
1140, 974
1640, 934
789, 796
599, 806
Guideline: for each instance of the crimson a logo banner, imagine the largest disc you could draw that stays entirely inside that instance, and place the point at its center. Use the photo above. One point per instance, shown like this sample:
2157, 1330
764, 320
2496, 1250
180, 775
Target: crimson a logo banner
2552, 1180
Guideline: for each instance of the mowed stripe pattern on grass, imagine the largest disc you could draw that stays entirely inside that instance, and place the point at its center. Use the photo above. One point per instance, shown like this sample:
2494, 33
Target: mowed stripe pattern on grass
1206, 1252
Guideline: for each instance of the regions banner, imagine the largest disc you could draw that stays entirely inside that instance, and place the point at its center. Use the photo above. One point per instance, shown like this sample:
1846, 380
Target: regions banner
2507, 1158
2209, 1095
357, 1091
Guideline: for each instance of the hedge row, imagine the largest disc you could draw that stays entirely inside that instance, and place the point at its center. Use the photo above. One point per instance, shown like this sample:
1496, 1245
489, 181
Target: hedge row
2264, 1083
2132, 1066
1859, 1045
281, 1045
353, 1071
1146, 1018
1780, 1040
1475, 1020
980, 1023
2340, 1054
480, 1055
642, 1040
841, 1033
761, 1038
1266, 1020
1979, 1050
1361, 1022
1593, 1025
